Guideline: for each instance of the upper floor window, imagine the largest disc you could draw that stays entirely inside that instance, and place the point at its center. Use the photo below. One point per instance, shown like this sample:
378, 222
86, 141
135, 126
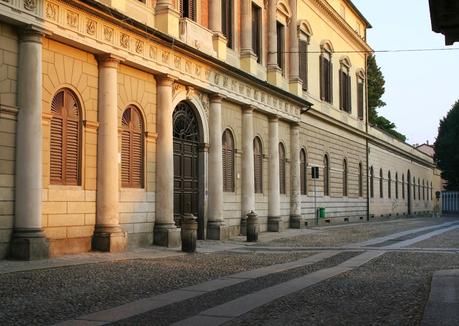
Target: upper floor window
344, 178
132, 148
227, 21
381, 180
280, 30
345, 103
372, 184
360, 180
258, 164
360, 96
326, 75
326, 176
389, 185
65, 139
256, 31
228, 161
282, 169
303, 42
303, 172
188, 9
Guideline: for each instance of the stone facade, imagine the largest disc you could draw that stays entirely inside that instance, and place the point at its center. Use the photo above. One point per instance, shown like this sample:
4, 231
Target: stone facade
155, 61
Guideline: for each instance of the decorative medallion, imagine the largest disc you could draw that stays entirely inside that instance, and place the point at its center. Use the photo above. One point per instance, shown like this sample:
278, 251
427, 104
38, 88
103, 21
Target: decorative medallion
139, 46
91, 26
124, 40
108, 34
30, 4
72, 19
51, 11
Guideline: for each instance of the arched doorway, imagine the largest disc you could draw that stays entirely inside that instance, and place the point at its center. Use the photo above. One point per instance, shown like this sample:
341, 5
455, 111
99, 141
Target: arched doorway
408, 193
187, 164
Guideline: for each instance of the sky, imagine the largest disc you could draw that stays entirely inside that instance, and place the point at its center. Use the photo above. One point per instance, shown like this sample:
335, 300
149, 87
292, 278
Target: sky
420, 87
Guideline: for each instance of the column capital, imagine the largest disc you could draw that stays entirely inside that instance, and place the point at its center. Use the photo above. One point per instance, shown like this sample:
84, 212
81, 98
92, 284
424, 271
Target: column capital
216, 97
274, 118
165, 79
109, 60
295, 125
33, 33
248, 109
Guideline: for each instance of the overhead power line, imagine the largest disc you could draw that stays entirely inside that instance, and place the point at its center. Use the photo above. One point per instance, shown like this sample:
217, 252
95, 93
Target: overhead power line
381, 51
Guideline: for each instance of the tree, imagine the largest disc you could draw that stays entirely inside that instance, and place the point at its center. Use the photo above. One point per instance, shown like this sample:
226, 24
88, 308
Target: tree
376, 90
447, 148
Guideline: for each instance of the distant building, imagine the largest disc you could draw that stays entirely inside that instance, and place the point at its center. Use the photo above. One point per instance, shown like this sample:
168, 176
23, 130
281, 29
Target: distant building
119, 117
426, 148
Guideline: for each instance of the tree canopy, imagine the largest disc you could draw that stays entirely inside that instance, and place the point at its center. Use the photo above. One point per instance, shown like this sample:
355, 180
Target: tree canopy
376, 90
447, 148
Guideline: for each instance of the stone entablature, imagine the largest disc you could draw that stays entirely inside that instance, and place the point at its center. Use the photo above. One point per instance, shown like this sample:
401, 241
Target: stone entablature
150, 53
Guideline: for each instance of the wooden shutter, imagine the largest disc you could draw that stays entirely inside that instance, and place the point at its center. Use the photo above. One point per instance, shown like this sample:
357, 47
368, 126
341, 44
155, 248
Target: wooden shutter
303, 172
326, 170
228, 161
65, 147
341, 90
322, 77
281, 169
303, 63
348, 94
258, 165
360, 99
132, 149
330, 82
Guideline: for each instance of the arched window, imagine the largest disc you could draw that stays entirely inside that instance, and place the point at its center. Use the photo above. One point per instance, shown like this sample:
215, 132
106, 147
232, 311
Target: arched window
414, 187
372, 184
344, 178
132, 148
258, 165
326, 176
65, 139
281, 168
303, 172
419, 189
345, 101
326, 73
360, 180
423, 190
396, 185
228, 161
389, 185
381, 179
403, 186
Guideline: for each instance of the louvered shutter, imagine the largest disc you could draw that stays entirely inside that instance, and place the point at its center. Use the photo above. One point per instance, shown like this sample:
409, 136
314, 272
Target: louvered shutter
228, 162
56, 145
281, 169
349, 94
303, 172
72, 152
360, 100
341, 90
303, 63
125, 158
137, 159
132, 149
258, 166
330, 82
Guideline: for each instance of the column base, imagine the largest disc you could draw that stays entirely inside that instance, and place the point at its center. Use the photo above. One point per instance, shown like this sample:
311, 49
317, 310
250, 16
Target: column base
275, 76
296, 222
167, 21
249, 62
29, 244
219, 42
296, 87
166, 235
109, 239
217, 231
275, 224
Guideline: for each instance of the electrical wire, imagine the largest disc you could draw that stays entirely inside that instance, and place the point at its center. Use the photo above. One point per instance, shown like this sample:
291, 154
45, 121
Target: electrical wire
378, 51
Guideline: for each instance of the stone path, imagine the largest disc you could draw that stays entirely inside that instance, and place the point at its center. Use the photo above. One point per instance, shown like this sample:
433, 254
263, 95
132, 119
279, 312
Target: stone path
232, 309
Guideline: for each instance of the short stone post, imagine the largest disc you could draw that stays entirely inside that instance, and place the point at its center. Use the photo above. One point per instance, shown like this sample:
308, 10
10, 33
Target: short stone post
189, 233
252, 227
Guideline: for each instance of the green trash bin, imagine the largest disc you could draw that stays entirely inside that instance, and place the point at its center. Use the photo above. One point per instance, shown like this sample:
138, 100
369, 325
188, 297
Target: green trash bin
321, 212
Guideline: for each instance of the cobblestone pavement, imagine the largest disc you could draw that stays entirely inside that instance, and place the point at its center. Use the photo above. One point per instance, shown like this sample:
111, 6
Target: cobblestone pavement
391, 289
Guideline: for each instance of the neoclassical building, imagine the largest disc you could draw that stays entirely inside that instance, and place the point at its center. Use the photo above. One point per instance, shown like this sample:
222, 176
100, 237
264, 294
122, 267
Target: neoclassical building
119, 117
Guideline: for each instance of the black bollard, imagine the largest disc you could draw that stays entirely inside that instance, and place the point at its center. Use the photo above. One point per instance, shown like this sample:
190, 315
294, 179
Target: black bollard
252, 227
189, 233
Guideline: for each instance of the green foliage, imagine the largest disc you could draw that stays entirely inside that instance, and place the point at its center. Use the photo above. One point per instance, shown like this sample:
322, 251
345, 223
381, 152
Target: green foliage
376, 90
447, 147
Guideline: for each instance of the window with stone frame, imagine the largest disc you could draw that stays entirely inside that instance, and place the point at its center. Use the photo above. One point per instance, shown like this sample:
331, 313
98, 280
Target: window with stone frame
227, 21
65, 139
414, 188
360, 95
228, 161
419, 188
256, 31
381, 183
258, 165
389, 185
396, 185
403, 186
303, 43
326, 175
345, 187
423, 190
188, 9
360, 179
132, 148
282, 170
372, 183
280, 31
303, 172
326, 74
345, 93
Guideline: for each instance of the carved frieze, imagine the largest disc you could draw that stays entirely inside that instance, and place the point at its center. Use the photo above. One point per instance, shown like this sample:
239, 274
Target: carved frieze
91, 27
30, 5
139, 46
108, 34
153, 52
72, 19
51, 11
124, 40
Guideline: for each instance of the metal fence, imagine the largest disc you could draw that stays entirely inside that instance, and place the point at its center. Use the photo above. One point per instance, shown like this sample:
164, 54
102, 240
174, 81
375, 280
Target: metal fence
450, 202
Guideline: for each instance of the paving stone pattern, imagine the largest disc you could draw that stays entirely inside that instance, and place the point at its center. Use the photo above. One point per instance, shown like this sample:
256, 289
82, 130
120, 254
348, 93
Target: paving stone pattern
447, 240
390, 290
43, 297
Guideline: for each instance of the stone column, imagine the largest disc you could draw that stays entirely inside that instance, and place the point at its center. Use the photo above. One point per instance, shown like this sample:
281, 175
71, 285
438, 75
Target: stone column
274, 219
215, 24
248, 58
216, 228
167, 18
108, 235
274, 71
294, 72
248, 178
165, 232
28, 241
296, 220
